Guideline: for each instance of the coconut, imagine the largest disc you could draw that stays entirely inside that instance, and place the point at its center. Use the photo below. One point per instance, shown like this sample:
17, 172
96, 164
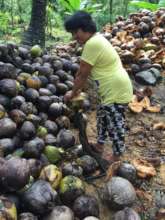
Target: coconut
31, 95
128, 214
51, 174
35, 119
17, 101
35, 167
9, 87
62, 75
7, 209
27, 216
51, 127
27, 130
90, 218
23, 52
53, 153
28, 108
39, 198
55, 110
72, 168
41, 131
50, 139
33, 82
74, 68
65, 139
60, 213
51, 88
70, 188
57, 64
44, 80
5, 101
119, 193
7, 70
14, 174
45, 70
28, 68
45, 92
17, 116
33, 148
127, 171
63, 122
7, 146
88, 164
44, 102
8, 127
78, 101
86, 205
62, 88
36, 51
14, 198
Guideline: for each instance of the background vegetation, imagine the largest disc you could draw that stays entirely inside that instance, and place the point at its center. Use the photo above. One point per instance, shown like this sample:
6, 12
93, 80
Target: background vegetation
15, 15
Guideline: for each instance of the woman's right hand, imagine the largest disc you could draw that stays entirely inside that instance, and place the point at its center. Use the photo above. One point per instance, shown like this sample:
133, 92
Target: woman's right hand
68, 96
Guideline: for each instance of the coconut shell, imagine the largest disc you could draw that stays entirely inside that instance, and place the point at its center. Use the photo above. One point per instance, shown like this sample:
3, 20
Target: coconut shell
144, 169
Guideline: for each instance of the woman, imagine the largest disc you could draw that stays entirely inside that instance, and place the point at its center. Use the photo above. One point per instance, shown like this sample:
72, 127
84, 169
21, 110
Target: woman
101, 62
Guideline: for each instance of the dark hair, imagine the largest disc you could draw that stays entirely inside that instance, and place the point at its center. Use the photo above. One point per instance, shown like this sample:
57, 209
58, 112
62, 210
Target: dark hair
81, 20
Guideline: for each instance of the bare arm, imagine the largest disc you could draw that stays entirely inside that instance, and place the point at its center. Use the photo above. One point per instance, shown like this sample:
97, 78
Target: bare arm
81, 77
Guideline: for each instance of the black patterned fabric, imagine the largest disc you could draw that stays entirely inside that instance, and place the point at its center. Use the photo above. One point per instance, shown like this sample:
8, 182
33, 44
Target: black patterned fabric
111, 122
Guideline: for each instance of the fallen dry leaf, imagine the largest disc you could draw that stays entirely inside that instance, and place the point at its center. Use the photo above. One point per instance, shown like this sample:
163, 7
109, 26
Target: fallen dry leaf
153, 109
162, 173
137, 130
144, 195
138, 107
112, 170
145, 102
140, 143
160, 214
162, 151
144, 169
135, 107
159, 126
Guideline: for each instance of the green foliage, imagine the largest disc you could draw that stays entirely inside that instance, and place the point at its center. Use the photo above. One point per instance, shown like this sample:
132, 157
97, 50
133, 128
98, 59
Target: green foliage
144, 5
4, 21
161, 3
148, 5
70, 5
15, 14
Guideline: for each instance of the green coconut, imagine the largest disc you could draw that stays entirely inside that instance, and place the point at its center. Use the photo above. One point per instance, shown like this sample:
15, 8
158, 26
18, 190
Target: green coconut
42, 131
70, 188
51, 174
36, 51
7, 209
53, 153
77, 102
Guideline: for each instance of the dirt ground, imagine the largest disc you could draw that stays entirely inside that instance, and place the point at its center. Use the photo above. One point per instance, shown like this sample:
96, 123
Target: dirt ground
143, 142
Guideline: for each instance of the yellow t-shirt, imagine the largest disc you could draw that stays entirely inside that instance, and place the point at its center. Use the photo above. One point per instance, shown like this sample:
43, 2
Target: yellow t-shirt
114, 84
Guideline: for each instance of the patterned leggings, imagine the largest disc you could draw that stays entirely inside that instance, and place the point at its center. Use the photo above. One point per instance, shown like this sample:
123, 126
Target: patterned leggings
111, 122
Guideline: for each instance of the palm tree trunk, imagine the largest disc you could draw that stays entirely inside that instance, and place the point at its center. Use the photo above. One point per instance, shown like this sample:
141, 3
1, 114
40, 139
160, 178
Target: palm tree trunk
36, 30
2, 5
111, 10
125, 7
